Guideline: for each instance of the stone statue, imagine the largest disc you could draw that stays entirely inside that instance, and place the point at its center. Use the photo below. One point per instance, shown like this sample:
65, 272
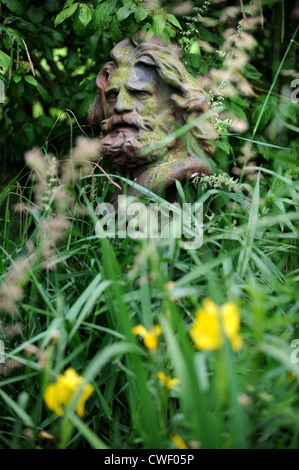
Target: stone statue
146, 94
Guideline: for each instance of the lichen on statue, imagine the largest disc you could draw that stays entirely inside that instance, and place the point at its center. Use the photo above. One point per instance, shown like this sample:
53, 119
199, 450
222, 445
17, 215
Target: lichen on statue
144, 95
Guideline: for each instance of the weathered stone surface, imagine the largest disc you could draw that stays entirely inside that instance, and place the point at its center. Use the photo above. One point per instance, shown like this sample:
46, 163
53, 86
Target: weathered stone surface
144, 95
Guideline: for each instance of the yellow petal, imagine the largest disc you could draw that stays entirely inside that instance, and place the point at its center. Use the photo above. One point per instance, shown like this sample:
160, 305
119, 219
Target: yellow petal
45, 435
64, 390
171, 382
51, 399
157, 330
231, 324
140, 330
210, 307
150, 338
72, 379
161, 376
236, 342
169, 285
291, 376
88, 390
168, 381
178, 441
205, 331
151, 341
231, 318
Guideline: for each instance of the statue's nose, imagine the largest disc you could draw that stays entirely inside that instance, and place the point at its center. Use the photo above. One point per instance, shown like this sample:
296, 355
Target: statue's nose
123, 103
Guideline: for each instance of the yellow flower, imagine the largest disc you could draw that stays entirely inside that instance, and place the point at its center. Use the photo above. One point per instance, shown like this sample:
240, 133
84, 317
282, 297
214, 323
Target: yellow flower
45, 435
178, 441
291, 376
150, 338
211, 322
168, 381
169, 285
60, 393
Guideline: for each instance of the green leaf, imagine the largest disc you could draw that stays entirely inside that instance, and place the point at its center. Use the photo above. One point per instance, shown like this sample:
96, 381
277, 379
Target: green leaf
102, 14
90, 436
115, 30
17, 409
265, 118
150, 33
140, 14
66, 13
85, 14
158, 24
224, 145
172, 19
43, 92
238, 111
72, 59
205, 34
31, 80
81, 29
52, 5
80, 301
4, 60
17, 90
14, 5
270, 3
36, 14
251, 72
28, 129
20, 23
125, 11
252, 225
17, 78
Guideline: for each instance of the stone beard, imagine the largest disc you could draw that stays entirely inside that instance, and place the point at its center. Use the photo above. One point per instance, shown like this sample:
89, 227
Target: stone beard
145, 94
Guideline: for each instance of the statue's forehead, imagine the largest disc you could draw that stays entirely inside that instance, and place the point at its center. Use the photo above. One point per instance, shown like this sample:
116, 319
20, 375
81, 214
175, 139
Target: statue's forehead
136, 76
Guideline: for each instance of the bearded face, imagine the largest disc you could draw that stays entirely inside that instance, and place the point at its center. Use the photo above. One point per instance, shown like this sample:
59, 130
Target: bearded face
144, 95
137, 113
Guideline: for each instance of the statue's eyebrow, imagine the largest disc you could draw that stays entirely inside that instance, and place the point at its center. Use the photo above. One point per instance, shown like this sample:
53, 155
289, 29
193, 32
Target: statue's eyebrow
113, 89
139, 87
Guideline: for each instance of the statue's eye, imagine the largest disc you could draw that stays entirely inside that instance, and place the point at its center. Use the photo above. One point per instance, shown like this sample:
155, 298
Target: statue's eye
112, 96
142, 95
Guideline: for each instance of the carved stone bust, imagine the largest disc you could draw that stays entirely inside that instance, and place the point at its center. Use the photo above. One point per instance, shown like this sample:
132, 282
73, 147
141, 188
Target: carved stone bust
146, 94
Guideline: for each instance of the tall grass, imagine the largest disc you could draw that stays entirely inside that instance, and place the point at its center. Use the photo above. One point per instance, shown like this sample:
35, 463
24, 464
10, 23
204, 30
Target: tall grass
73, 299
101, 288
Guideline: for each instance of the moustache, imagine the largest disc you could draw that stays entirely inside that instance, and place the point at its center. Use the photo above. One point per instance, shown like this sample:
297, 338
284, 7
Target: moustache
132, 119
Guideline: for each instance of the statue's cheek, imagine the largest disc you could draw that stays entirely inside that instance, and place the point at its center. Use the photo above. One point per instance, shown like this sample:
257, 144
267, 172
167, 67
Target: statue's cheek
146, 108
109, 110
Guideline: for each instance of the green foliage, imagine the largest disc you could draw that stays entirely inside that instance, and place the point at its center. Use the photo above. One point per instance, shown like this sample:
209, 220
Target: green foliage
97, 294
66, 13
74, 40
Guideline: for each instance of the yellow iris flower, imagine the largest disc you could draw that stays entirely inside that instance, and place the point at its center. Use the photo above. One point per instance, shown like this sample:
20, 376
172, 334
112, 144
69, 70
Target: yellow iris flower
150, 338
178, 441
211, 322
168, 381
60, 393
